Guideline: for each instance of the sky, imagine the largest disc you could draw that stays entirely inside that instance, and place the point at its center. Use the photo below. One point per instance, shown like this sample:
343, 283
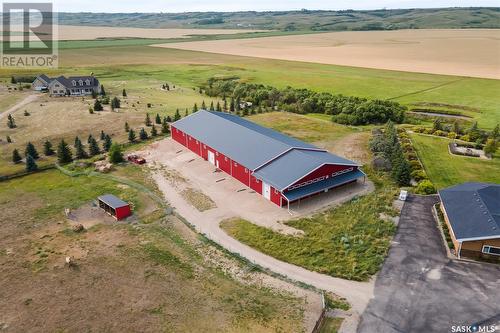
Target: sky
175, 6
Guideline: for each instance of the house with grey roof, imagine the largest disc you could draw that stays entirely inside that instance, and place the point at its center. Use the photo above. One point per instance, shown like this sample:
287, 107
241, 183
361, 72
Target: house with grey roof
71, 86
280, 168
472, 214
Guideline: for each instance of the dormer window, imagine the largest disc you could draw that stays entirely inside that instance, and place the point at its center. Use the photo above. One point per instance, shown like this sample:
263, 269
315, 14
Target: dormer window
87, 82
74, 83
80, 82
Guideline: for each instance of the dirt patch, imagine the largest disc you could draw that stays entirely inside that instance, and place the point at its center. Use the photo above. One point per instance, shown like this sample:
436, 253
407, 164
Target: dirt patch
352, 146
199, 200
422, 50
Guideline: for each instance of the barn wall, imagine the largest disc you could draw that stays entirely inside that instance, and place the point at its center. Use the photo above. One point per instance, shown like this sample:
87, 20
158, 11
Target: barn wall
193, 145
276, 196
122, 212
178, 136
325, 170
224, 162
241, 173
256, 184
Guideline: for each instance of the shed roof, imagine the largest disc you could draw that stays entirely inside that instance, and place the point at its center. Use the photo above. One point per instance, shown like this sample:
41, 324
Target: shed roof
473, 210
112, 201
273, 157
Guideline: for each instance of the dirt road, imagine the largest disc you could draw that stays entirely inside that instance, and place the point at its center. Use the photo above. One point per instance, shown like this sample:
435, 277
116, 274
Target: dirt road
20, 104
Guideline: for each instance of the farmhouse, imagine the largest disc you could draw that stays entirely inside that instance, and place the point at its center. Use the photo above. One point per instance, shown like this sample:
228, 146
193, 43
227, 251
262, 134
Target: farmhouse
280, 168
71, 86
472, 213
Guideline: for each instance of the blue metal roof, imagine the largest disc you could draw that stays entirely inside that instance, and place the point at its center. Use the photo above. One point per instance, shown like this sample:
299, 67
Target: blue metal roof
276, 158
473, 210
305, 191
112, 201
294, 165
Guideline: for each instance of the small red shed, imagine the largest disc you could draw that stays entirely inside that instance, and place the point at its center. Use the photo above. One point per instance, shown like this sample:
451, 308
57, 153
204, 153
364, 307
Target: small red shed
114, 206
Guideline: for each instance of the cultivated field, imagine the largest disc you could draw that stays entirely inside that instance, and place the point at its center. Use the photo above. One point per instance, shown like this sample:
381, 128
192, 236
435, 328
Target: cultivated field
473, 53
68, 32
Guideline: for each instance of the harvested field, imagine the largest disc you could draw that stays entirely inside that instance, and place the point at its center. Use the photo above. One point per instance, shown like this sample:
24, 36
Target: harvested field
68, 32
473, 53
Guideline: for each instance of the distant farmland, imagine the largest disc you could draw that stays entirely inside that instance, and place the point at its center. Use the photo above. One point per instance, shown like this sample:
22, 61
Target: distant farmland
425, 51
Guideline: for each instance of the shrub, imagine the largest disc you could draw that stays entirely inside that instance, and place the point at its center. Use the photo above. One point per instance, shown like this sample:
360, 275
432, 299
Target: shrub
426, 187
418, 129
452, 135
440, 133
429, 131
415, 165
411, 156
465, 137
418, 175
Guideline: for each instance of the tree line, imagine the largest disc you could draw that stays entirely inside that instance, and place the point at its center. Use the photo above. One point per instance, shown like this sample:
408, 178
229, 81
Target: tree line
348, 110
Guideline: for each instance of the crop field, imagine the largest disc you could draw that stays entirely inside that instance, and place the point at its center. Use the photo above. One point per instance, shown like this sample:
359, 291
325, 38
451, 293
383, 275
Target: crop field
421, 51
446, 170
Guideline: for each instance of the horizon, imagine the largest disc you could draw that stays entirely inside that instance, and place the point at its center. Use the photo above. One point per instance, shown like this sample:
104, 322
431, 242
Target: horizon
228, 6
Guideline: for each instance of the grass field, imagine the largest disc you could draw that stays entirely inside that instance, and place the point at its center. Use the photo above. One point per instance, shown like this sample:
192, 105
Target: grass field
445, 169
349, 241
147, 278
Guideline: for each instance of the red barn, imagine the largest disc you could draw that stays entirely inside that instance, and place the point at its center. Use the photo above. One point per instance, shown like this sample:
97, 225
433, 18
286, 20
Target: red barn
280, 168
115, 207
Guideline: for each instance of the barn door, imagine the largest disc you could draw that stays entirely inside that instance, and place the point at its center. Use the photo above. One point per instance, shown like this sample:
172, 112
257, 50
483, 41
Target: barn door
266, 191
211, 157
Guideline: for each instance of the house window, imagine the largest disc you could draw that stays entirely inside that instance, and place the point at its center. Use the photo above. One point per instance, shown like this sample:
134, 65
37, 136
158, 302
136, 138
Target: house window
80, 82
275, 191
216, 154
246, 170
491, 250
341, 172
74, 83
87, 82
225, 158
235, 164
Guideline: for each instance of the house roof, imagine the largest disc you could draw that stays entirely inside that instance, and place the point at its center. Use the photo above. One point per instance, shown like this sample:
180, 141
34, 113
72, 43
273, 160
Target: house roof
68, 82
112, 201
44, 78
273, 157
473, 210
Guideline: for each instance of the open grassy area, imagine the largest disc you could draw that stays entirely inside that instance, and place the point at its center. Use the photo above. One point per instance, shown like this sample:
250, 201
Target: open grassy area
445, 169
147, 277
349, 241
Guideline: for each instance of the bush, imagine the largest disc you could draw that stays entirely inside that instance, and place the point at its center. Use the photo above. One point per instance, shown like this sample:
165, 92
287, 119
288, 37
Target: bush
440, 133
426, 187
465, 137
452, 135
418, 129
415, 165
412, 156
429, 131
418, 175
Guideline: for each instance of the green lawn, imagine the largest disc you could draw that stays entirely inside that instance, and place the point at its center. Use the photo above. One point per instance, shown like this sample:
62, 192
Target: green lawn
445, 169
349, 241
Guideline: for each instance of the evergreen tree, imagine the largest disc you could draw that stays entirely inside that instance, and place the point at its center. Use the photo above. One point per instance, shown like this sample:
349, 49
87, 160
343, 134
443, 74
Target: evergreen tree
495, 134
131, 135
158, 119
165, 128
186, 113
403, 173
177, 115
124, 93
16, 157
490, 147
225, 104
80, 152
9, 140
31, 150
203, 105
64, 154
195, 108
94, 94
11, 123
154, 132
127, 128
103, 92
103, 135
115, 103
13, 80
115, 154
143, 135
93, 147
212, 106
90, 138
147, 122
168, 119
456, 127
26, 113
106, 145
31, 164
47, 148
437, 126
98, 105
231, 105
237, 104
218, 108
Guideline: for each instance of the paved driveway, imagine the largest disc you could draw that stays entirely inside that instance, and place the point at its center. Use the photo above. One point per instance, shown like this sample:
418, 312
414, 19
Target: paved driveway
420, 290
